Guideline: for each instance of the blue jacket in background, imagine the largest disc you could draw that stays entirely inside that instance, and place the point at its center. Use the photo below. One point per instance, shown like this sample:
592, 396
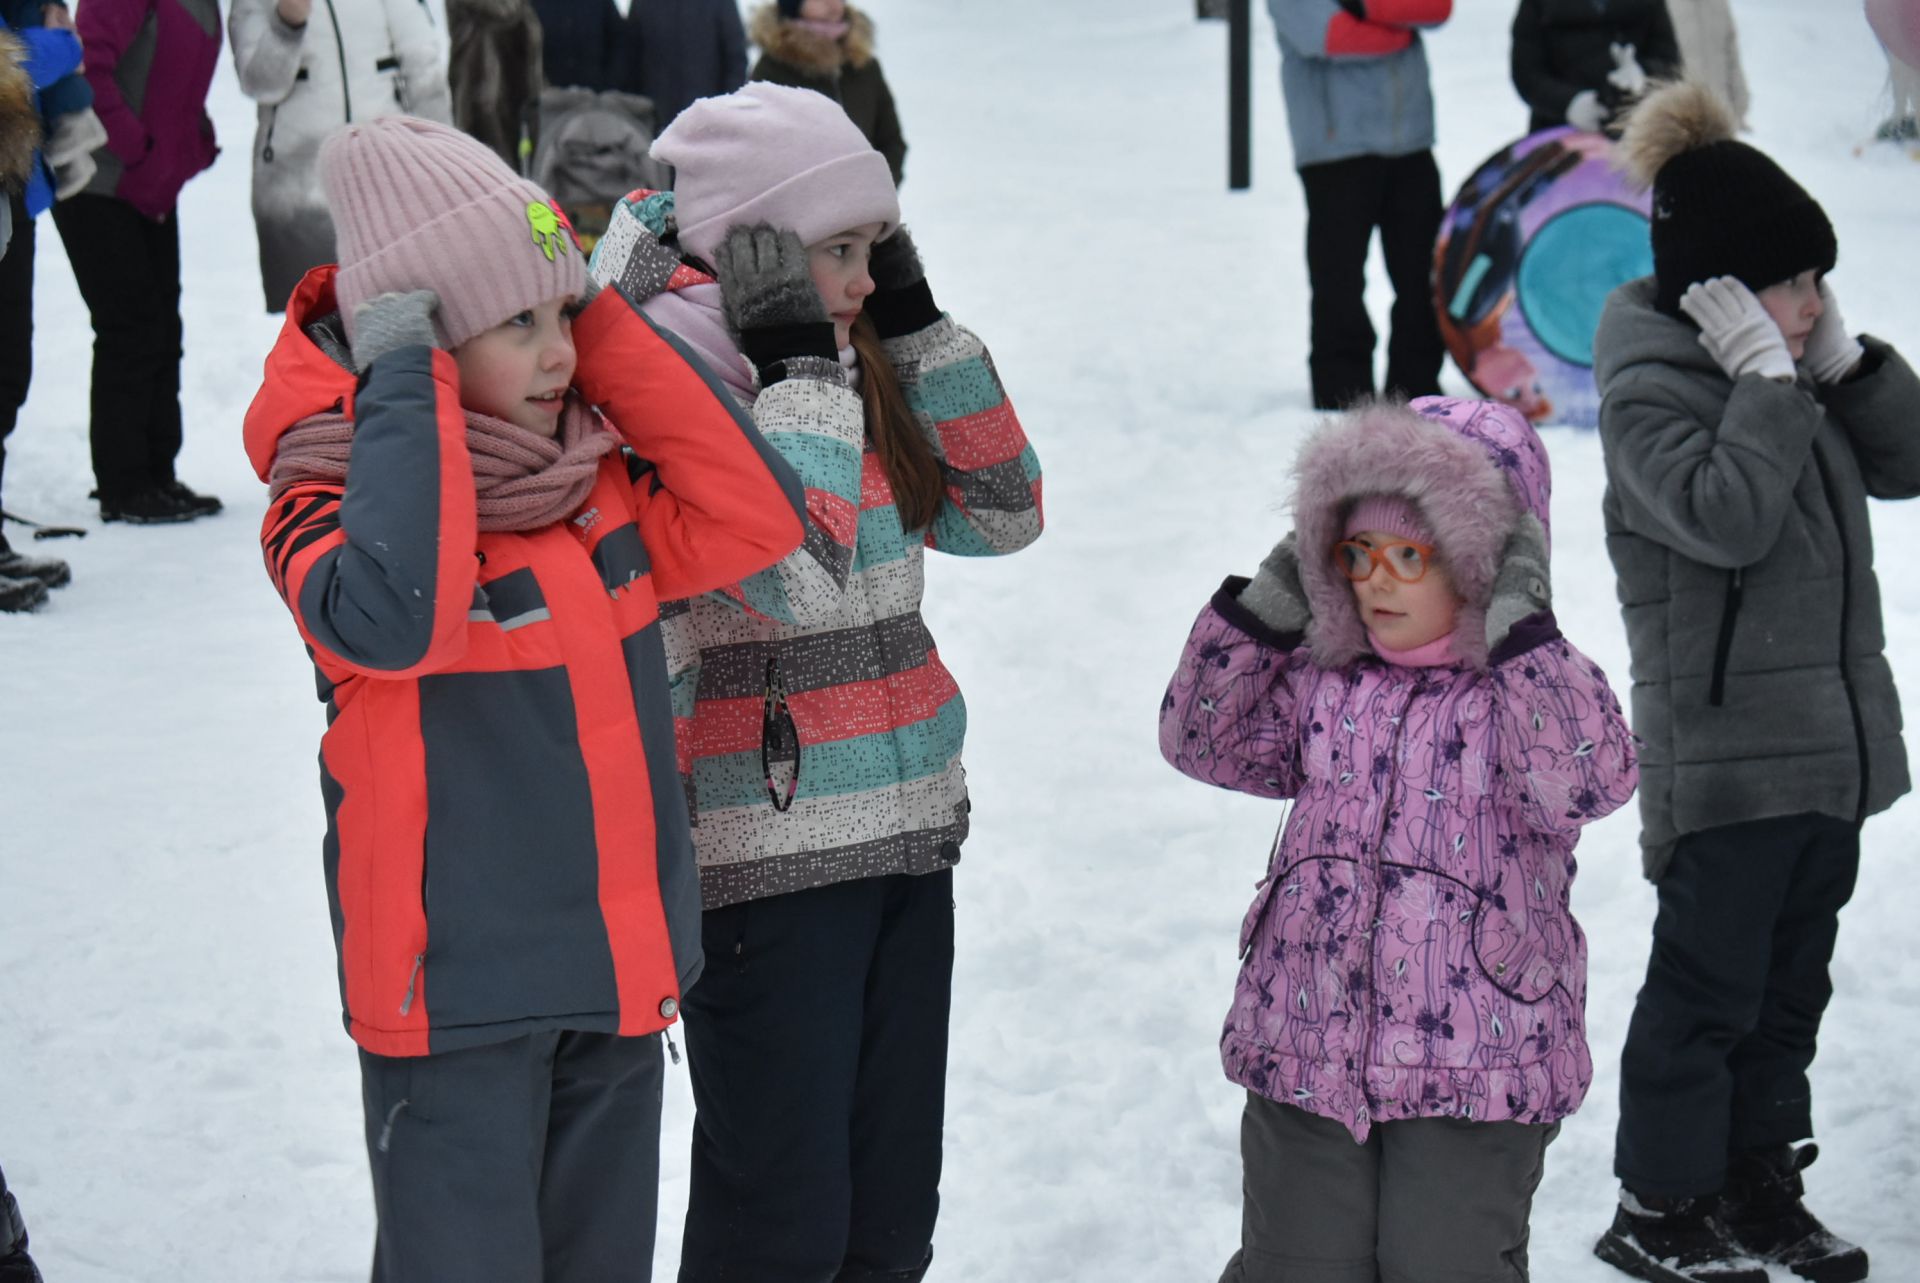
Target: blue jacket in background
1343, 102
51, 54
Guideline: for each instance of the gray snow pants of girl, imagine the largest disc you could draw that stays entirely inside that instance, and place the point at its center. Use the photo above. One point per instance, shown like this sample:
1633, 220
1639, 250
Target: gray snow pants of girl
1423, 1200
533, 1158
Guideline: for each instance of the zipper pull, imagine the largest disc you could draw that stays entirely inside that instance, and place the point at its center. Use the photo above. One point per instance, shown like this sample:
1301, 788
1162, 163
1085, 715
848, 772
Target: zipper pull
671, 1049
406, 1003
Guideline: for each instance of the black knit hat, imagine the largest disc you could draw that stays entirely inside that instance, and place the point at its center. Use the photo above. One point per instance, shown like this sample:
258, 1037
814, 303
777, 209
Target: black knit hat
1726, 209
789, 8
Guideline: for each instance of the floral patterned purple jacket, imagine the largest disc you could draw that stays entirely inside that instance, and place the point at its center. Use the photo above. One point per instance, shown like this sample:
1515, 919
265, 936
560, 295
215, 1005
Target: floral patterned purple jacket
1411, 952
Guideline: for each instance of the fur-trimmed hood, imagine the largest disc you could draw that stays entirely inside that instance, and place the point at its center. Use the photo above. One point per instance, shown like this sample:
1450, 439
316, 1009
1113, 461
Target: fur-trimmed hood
19, 118
1471, 468
811, 52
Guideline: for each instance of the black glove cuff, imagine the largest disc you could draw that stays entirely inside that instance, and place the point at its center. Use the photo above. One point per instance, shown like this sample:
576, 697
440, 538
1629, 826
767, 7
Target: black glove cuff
903, 311
768, 345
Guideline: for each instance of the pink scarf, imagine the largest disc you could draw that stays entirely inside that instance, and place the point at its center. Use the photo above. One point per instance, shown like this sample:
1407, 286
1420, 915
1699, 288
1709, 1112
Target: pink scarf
1432, 655
523, 480
830, 30
692, 312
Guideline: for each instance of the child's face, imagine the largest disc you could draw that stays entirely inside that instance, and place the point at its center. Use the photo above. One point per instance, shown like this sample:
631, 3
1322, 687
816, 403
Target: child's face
839, 266
823, 11
1402, 615
1794, 304
520, 369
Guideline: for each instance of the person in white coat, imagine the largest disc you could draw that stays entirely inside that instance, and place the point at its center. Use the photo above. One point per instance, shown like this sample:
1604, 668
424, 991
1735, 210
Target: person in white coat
313, 66
1710, 49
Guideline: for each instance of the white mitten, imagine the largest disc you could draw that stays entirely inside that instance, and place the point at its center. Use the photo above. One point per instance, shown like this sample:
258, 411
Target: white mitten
1736, 330
1586, 112
1627, 75
1831, 352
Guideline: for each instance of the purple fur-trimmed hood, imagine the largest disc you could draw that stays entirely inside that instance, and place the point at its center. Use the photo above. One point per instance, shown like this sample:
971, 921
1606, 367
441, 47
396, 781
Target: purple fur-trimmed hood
1471, 468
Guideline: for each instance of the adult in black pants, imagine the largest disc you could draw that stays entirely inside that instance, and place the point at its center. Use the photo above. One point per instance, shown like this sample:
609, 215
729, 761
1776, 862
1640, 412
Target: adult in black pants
122, 236
1360, 114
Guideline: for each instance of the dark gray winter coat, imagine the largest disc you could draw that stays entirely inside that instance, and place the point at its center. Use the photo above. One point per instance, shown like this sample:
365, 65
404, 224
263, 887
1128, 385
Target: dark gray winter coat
1736, 518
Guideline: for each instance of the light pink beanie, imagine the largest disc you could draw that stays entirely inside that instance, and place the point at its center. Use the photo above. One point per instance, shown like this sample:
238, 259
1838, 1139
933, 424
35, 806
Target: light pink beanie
769, 153
1390, 514
419, 206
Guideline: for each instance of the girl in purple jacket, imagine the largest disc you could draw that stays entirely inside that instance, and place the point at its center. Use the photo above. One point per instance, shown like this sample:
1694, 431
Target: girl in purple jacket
1408, 1020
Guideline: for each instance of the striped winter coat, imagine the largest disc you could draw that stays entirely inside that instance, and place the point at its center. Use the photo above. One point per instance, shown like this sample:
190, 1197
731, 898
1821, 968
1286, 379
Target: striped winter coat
506, 845
818, 676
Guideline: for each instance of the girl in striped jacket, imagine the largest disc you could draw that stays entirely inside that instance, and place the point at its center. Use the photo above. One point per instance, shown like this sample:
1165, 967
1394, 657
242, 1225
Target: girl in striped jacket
819, 733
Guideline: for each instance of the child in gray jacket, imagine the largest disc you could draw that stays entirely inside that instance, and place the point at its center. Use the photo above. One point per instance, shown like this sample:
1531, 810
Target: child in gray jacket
1743, 428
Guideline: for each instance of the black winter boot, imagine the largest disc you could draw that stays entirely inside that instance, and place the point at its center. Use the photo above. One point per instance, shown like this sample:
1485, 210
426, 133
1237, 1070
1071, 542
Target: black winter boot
1762, 1208
15, 1265
51, 571
20, 594
1675, 1240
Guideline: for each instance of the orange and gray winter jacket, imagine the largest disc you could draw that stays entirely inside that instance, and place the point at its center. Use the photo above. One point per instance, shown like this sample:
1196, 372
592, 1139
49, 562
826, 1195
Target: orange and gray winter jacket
507, 842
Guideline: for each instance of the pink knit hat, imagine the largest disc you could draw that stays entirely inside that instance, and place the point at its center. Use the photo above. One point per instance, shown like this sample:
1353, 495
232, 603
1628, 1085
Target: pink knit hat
1390, 514
770, 153
419, 206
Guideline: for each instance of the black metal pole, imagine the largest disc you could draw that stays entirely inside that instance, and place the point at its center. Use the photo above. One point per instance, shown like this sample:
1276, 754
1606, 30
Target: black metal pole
1239, 95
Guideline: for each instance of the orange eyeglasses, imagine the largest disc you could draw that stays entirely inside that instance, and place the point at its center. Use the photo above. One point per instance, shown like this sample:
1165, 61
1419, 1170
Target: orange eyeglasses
1404, 559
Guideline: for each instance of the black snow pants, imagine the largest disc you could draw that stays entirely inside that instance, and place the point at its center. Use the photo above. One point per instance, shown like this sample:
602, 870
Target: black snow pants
817, 1039
128, 268
1725, 1026
1346, 201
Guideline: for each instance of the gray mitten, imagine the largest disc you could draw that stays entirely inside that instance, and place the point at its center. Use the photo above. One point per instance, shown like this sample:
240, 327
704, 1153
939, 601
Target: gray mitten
1522, 586
1276, 594
895, 264
388, 322
764, 280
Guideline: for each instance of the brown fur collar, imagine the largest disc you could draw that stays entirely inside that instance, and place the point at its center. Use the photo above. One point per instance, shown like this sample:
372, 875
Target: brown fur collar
19, 120
811, 53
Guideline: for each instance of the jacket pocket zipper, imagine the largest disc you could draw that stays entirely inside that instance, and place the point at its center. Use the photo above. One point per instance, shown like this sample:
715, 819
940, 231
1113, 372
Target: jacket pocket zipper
1717, 687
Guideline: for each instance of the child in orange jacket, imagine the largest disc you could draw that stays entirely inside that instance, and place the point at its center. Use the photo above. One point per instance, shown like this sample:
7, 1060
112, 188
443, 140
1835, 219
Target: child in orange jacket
476, 567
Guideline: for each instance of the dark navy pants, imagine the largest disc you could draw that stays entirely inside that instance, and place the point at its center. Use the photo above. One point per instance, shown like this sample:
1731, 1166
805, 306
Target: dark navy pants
817, 1039
533, 1158
1725, 1026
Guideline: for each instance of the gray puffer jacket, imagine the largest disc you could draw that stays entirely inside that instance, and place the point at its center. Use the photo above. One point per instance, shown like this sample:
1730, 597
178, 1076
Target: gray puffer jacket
1736, 519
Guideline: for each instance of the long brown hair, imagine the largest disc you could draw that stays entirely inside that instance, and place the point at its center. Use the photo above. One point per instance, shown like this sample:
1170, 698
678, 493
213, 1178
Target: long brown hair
909, 462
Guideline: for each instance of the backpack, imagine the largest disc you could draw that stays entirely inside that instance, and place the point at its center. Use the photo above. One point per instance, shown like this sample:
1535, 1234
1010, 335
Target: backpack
593, 150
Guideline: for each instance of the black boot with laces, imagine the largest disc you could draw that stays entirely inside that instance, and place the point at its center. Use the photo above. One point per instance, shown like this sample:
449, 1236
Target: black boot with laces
1762, 1208
1675, 1240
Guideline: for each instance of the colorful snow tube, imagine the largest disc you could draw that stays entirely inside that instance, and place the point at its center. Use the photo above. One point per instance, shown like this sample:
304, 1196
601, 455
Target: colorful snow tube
1537, 238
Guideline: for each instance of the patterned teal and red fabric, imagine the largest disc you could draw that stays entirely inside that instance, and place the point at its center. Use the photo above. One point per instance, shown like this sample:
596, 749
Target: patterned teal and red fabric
507, 843
1411, 952
819, 732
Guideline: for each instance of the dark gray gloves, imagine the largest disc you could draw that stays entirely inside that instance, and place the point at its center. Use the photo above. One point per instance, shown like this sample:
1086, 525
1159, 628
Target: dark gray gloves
769, 299
901, 302
1522, 586
1276, 594
388, 322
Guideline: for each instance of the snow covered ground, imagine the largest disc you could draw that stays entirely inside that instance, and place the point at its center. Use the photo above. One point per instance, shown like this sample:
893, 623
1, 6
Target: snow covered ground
177, 1099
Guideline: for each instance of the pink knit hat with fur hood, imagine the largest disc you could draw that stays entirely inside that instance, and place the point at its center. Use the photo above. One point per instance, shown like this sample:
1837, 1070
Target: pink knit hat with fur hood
420, 206
1469, 470
770, 153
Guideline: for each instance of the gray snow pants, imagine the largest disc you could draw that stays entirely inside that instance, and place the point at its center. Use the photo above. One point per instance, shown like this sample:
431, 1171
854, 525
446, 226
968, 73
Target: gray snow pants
1423, 1200
534, 1158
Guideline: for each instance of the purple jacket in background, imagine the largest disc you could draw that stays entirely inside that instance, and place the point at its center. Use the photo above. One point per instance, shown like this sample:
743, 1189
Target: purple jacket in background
1411, 952
150, 63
